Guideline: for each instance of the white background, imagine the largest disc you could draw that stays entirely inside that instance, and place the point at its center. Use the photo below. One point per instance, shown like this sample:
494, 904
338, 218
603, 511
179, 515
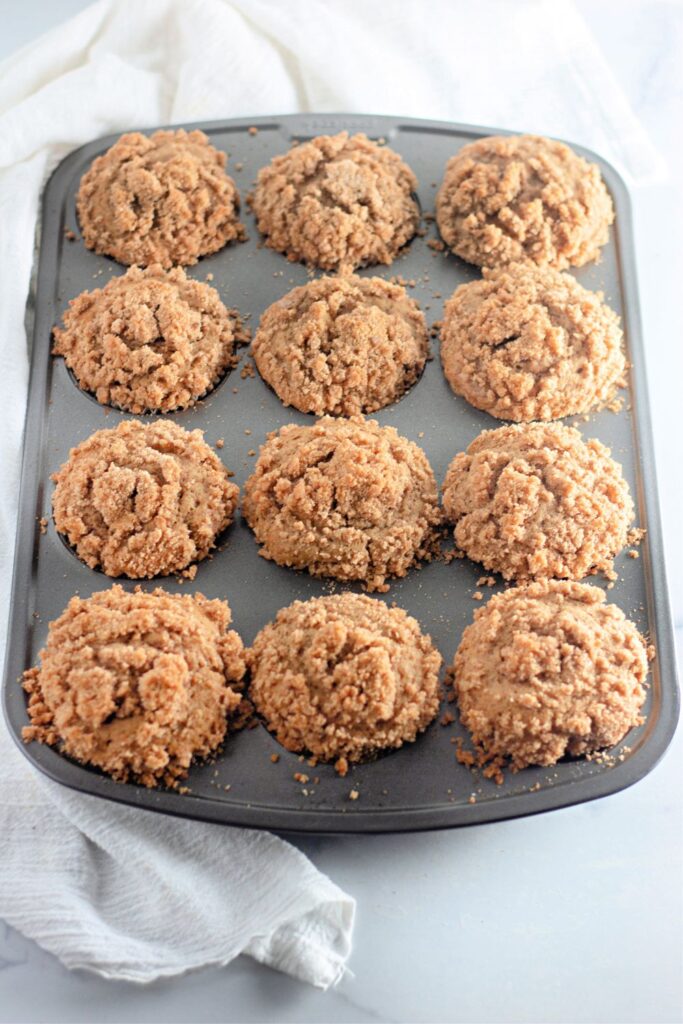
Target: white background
573, 916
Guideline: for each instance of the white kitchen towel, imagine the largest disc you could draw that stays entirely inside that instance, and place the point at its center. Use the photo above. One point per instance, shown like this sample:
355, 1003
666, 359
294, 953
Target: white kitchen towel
138, 896
119, 891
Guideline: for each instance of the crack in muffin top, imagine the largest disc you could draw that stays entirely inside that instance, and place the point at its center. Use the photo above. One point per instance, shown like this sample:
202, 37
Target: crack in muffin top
163, 198
337, 202
509, 198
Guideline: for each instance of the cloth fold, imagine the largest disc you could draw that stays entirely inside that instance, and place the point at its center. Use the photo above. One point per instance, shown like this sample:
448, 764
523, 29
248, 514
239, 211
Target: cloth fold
137, 896
127, 893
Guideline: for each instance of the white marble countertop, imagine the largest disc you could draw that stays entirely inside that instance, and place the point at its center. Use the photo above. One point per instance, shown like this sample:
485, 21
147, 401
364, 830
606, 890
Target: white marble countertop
573, 916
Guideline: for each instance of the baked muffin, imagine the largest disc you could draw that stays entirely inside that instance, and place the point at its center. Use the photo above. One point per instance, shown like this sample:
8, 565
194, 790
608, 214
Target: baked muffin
344, 677
537, 501
163, 198
137, 684
344, 498
143, 500
337, 202
548, 670
149, 341
523, 197
342, 345
529, 343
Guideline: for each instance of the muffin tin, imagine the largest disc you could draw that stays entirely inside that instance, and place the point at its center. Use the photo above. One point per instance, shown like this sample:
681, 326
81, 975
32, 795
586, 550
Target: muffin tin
421, 786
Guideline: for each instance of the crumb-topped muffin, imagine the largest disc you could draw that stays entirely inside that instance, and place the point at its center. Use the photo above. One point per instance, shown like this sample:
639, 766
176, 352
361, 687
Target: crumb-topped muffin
344, 677
337, 202
547, 670
149, 341
523, 197
143, 499
342, 345
137, 684
529, 343
344, 498
163, 198
536, 500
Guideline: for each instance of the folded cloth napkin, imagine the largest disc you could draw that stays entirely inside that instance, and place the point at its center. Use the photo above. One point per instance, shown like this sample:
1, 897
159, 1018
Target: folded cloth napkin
123, 892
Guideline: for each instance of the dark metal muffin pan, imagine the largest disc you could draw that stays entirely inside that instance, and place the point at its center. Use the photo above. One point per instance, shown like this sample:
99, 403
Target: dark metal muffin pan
421, 786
